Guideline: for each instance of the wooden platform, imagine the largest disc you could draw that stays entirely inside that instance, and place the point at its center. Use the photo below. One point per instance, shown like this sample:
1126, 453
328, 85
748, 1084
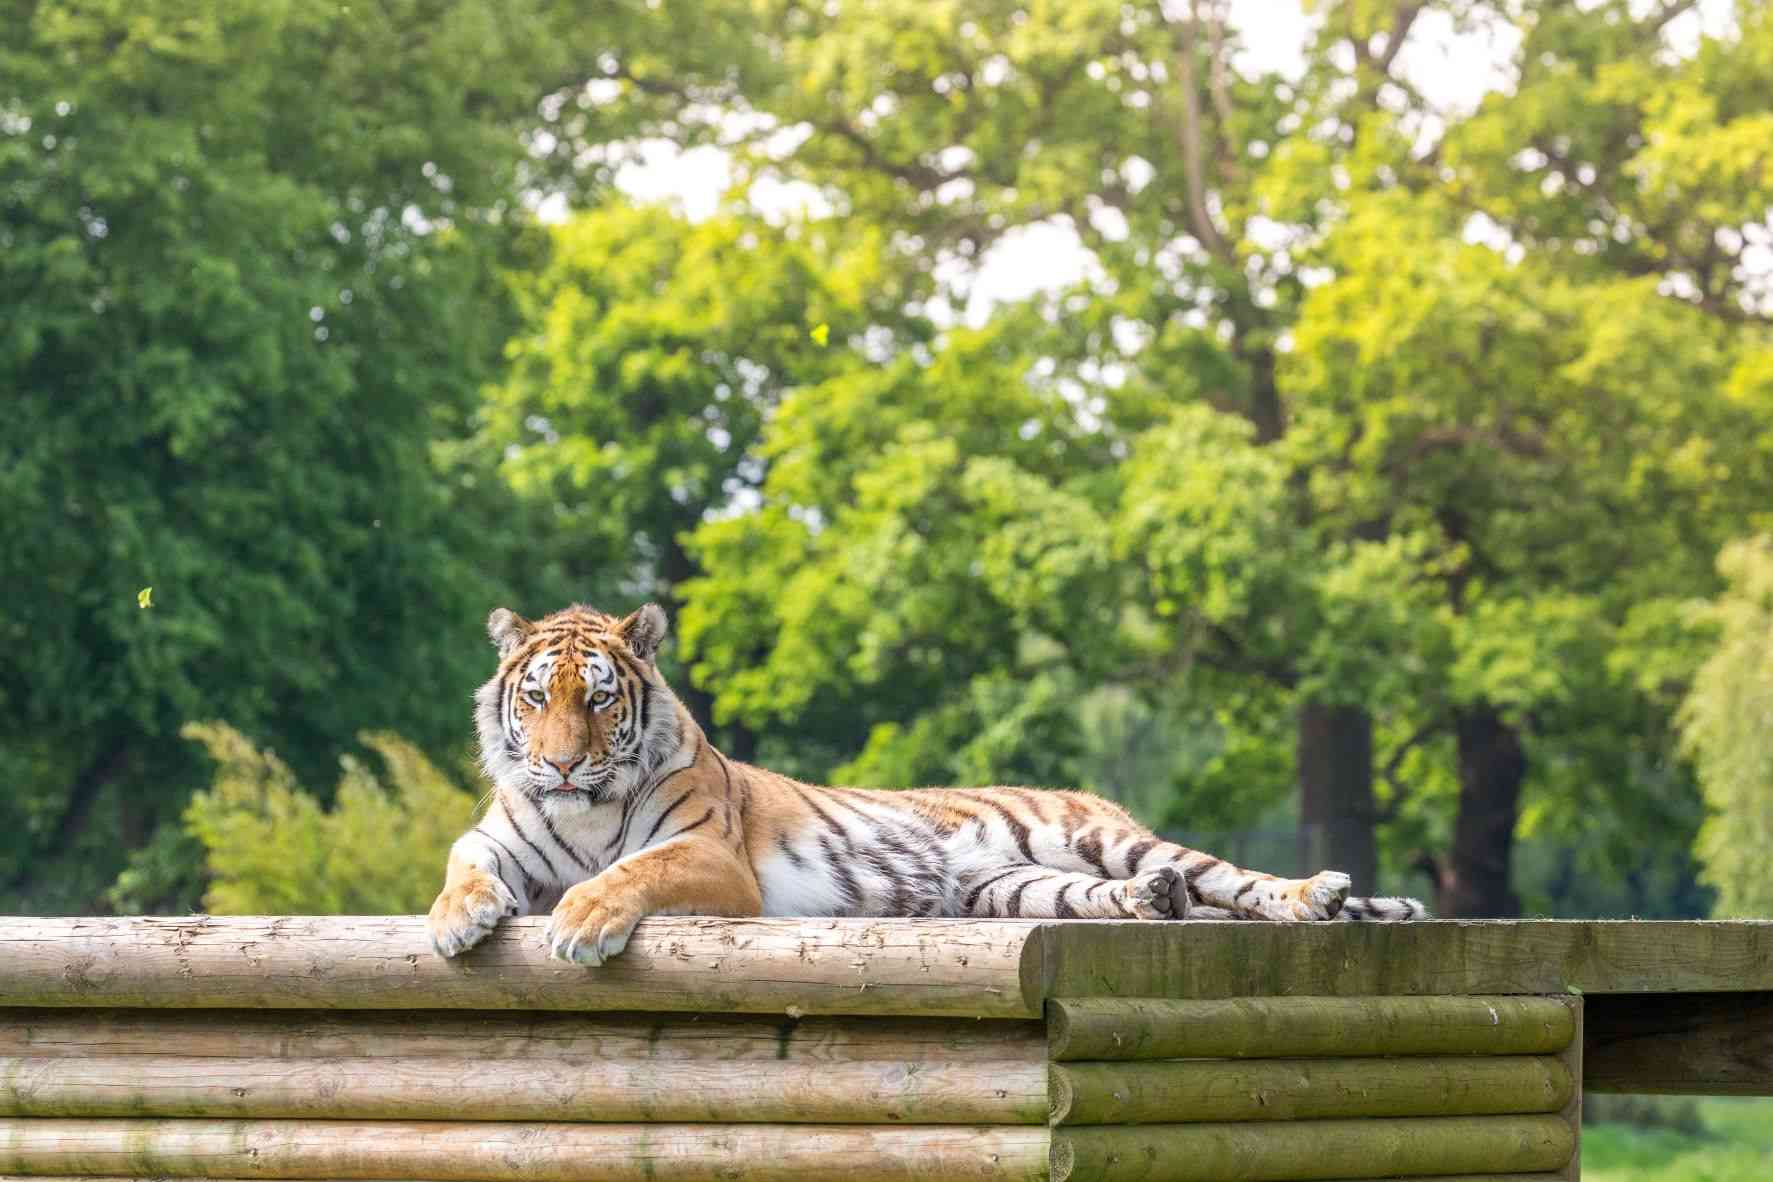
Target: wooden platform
335, 1048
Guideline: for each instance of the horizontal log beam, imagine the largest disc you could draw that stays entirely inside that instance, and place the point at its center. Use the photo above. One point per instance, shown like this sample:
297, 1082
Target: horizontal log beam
1191, 1091
960, 968
1365, 1178
719, 1091
1294, 1027
955, 968
1700, 1044
486, 1152
527, 1034
1231, 959
1311, 1150
1416, 1178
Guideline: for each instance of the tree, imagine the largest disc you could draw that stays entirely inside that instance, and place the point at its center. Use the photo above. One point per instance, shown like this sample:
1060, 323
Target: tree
1726, 722
958, 123
247, 254
650, 354
1221, 210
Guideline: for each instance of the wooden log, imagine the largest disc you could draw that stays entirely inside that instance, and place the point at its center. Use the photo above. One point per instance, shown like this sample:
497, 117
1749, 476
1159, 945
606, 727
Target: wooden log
1311, 1150
1416, 1178
1296, 1027
1368, 1178
528, 1035
1700, 1044
1232, 959
1571, 1113
489, 1152
791, 1091
959, 968
1201, 1090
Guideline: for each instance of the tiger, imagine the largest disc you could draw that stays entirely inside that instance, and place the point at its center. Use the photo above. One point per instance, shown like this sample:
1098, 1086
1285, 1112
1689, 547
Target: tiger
609, 804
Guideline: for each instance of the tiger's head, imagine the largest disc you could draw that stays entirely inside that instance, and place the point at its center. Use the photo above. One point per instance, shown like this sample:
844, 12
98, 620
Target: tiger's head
577, 705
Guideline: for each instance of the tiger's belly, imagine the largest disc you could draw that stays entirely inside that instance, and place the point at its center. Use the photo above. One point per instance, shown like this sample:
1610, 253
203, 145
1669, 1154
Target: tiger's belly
892, 878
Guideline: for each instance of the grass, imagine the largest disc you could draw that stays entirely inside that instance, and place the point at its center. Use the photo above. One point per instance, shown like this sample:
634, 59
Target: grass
1733, 1144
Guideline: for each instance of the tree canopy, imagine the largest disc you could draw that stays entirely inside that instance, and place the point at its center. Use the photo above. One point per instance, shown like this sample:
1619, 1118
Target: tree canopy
1364, 484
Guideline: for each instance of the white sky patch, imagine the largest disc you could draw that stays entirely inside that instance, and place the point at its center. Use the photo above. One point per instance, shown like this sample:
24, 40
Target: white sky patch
1453, 71
1028, 260
693, 181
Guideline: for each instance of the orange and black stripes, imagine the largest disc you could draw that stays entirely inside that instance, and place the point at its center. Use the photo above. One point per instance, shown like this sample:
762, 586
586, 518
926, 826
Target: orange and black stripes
608, 798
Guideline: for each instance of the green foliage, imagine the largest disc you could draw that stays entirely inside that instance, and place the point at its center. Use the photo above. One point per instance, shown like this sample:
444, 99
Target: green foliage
248, 256
1363, 403
272, 848
1310, 429
1731, 1143
1727, 728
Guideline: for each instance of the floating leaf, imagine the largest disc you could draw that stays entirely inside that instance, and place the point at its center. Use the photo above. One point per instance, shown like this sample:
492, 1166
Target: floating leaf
145, 597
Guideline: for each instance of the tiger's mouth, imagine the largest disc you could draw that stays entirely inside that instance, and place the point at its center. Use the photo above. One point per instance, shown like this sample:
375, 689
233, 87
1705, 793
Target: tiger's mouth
593, 785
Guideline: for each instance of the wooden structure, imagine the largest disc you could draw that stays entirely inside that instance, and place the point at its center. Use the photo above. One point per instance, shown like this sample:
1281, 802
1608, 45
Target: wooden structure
927, 1050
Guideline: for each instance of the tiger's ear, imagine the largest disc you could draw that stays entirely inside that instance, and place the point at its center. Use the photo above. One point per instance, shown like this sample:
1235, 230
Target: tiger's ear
508, 630
643, 631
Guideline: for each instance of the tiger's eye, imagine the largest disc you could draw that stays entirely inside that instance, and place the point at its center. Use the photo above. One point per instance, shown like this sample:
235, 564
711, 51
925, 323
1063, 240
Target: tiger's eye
535, 697
601, 697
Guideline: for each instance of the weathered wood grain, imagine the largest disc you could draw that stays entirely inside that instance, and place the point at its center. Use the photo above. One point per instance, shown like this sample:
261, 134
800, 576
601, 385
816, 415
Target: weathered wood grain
1311, 1150
529, 1035
1571, 1057
719, 1091
960, 968
1369, 1178
1415, 1178
1295, 1027
490, 1152
1229, 959
1191, 1091
1703, 1044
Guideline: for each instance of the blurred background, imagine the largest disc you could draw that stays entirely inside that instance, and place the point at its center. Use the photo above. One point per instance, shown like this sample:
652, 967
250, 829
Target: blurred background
1341, 432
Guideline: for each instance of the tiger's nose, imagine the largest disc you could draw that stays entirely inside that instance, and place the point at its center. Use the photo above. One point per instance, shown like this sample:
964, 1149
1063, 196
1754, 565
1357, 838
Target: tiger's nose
565, 769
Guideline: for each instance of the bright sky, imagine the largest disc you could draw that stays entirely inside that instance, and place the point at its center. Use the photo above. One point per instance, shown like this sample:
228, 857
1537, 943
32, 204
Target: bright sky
1452, 70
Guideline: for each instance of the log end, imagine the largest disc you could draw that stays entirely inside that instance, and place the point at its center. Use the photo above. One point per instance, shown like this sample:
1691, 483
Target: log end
1060, 1095
1058, 1030
1061, 1159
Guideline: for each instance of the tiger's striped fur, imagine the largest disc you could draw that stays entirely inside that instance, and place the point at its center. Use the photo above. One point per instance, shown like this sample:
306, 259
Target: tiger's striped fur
609, 804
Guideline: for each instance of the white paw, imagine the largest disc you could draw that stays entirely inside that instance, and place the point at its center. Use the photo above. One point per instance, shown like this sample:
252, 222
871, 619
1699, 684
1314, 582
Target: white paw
586, 928
466, 913
1157, 894
1316, 898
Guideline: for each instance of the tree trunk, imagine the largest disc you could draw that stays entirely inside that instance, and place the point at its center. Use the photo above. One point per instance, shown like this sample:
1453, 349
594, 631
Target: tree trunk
1336, 810
1266, 411
1492, 765
76, 810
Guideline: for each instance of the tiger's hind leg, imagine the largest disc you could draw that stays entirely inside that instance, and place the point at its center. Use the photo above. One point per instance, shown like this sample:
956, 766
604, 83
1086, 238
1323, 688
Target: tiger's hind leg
1249, 894
1026, 891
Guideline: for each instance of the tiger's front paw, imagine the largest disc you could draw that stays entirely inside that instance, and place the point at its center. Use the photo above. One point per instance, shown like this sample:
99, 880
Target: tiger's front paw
467, 911
590, 925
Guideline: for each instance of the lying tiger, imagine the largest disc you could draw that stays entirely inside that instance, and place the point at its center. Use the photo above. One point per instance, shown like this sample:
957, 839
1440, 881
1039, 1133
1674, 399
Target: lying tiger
609, 804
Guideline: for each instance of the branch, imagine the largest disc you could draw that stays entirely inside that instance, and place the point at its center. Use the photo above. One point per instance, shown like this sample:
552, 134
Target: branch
1221, 91
1193, 173
1388, 773
1402, 17
919, 175
1668, 12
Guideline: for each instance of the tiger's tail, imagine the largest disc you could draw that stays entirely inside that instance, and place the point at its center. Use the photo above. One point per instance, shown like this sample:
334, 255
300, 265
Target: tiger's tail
1387, 910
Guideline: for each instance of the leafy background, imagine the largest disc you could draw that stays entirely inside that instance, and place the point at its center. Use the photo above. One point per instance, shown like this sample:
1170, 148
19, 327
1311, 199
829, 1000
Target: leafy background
1374, 480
